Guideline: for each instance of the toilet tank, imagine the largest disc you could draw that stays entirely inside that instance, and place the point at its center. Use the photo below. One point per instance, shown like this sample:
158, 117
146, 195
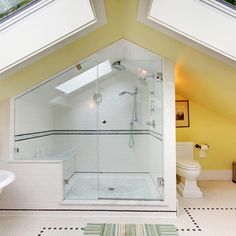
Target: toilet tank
184, 150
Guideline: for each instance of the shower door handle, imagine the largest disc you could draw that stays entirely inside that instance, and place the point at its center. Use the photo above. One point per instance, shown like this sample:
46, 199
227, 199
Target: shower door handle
151, 123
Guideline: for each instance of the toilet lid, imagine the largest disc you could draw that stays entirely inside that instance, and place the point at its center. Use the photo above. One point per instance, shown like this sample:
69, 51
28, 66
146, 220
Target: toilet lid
188, 164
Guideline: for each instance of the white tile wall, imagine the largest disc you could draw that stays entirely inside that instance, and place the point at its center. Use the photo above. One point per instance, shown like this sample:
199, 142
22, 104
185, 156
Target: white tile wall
155, 160
36, 149
37, 185
87, 150
115, 109
114, 152
33, 113
115, 155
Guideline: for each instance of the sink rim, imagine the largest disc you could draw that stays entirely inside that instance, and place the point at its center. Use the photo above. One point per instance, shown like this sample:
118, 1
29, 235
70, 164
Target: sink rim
8, 177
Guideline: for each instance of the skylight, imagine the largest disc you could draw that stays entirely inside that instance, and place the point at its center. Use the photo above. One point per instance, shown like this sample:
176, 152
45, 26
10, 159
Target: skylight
86, 77
229, 2
9, 7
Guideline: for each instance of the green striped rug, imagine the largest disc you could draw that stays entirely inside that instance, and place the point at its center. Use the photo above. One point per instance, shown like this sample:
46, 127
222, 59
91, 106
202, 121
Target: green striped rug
130, 230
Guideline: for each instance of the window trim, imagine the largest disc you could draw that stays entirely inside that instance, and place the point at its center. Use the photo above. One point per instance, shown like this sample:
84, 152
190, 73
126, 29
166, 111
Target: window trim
222, 6
22, 13
227, 4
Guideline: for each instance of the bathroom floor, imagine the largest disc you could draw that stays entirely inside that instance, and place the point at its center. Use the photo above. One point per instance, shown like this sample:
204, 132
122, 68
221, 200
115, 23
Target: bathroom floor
90, 186
214, 215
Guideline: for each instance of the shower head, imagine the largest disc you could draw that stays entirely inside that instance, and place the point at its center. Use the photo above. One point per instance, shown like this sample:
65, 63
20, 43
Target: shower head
118, 66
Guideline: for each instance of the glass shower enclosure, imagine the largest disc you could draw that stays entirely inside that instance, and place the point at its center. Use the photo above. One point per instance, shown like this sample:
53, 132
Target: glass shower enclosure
103, 120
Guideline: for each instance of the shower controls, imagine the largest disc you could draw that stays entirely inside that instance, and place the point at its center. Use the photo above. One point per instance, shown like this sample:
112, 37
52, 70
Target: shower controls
104, 121
151, 123
97, 98
159, 76
160, 182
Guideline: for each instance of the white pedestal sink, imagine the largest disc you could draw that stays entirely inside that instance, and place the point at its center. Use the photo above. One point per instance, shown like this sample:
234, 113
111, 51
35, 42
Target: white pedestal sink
6, 177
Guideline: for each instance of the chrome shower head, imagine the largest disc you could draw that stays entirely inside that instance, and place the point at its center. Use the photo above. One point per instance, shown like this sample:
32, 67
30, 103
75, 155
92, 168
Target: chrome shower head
118, 66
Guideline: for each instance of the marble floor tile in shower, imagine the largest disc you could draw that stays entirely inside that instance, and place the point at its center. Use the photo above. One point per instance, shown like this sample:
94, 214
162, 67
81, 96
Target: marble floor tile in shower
89, 186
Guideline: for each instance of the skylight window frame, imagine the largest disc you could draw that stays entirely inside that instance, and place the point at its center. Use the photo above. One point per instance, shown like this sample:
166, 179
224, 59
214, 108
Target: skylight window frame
222, 6
22, 13
227, 4
20, 9
84, 82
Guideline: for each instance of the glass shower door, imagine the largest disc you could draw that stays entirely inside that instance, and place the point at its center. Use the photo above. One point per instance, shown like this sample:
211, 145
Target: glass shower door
79, 124
130, 158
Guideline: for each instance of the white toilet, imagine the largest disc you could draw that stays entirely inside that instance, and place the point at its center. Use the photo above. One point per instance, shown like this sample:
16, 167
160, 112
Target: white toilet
188, 169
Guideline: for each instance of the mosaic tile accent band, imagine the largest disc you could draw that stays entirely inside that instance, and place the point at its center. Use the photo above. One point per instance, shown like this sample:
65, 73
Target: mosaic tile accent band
130, 229
22, 137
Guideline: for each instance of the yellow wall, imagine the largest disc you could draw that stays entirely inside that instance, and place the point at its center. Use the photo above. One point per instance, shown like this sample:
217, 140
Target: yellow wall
218, 132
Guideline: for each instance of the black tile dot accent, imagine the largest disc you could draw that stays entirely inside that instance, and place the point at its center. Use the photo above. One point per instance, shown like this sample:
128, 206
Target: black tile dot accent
50, 228
195, 224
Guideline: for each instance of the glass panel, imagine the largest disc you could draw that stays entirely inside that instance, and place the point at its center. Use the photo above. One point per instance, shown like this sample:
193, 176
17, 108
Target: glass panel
52, 124
104, 122
8, 7
130, 132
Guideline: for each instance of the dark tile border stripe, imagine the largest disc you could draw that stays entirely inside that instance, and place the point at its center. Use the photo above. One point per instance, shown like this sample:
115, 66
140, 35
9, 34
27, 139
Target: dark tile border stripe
27, 136
196, 227
53, 228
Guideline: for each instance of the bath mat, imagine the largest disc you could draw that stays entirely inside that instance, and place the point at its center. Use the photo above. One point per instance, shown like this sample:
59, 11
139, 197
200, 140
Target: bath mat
130, 230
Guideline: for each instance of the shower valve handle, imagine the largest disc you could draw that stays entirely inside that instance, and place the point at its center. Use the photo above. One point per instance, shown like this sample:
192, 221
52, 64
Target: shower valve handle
151, 123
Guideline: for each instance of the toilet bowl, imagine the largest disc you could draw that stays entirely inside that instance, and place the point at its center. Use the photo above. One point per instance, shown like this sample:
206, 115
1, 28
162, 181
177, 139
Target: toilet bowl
188, 169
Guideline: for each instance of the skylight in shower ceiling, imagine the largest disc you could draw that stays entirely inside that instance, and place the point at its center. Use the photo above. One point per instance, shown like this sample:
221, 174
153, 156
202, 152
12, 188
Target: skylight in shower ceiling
86, 77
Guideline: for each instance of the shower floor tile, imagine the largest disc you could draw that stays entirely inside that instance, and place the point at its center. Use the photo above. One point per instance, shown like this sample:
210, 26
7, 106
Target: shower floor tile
92, 186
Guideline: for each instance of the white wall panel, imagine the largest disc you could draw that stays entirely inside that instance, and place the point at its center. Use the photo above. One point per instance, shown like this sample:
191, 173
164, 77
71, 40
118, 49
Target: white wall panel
199, 22
55, 21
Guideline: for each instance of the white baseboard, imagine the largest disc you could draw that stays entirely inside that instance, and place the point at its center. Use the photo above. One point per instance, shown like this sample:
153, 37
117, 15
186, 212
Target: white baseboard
216, 175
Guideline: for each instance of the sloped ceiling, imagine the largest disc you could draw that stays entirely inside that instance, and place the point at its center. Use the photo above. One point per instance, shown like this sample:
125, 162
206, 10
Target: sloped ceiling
199, 77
